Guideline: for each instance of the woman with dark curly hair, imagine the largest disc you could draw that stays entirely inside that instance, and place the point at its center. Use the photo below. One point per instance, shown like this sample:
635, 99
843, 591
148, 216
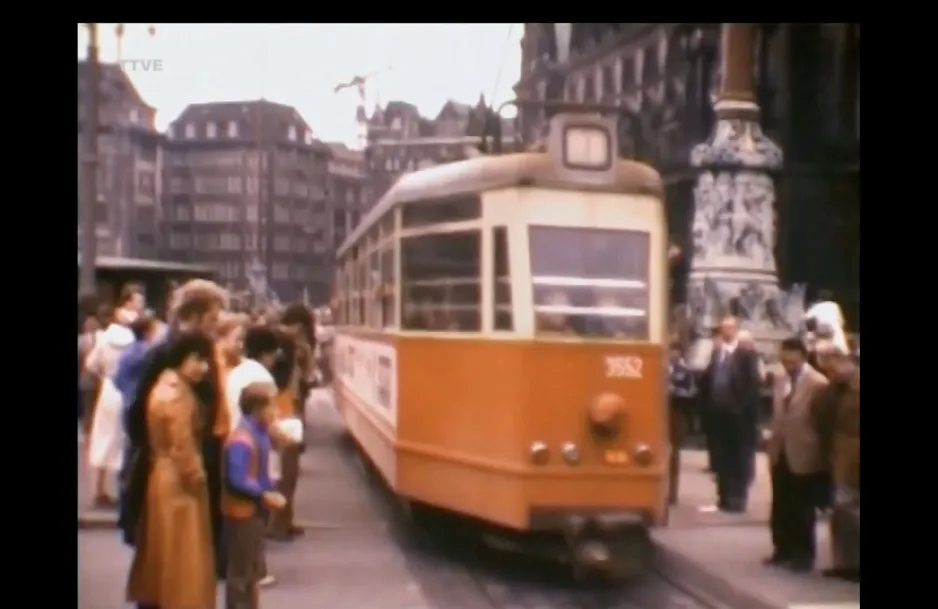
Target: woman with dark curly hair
173, 563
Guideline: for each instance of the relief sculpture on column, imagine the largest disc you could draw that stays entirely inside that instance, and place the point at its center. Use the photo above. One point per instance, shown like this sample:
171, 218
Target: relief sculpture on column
734, 221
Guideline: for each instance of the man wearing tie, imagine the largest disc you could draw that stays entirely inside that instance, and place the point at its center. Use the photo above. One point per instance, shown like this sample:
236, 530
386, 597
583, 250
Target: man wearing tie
732, 388
794, 448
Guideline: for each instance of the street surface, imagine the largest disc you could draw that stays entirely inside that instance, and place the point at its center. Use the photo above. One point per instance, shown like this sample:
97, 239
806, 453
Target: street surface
358, 554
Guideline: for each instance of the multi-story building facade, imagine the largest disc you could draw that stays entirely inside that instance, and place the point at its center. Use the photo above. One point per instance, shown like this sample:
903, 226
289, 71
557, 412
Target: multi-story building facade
665, 78
348, 193
129, 165
245, 192
401, 140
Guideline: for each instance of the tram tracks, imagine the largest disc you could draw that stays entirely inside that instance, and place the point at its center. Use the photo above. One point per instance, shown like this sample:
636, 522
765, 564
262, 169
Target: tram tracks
454, 574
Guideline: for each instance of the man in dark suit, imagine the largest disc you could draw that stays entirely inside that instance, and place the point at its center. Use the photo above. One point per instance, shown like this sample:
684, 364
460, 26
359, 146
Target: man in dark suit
798, 462
732, 394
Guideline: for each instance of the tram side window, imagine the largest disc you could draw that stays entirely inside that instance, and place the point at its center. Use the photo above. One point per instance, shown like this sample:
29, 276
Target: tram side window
346, 293
339, 296
354, 289
387, 287
502, 279
374, 290
362, 270
440, 279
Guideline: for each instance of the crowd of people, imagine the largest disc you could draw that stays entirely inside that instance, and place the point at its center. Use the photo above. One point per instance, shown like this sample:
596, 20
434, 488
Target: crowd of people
811, 436
202, 417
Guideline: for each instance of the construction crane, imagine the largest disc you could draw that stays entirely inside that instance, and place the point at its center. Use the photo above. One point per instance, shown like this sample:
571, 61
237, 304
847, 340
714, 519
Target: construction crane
359, 82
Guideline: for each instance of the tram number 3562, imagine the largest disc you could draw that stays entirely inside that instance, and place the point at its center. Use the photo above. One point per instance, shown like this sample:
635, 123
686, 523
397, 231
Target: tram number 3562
623, 367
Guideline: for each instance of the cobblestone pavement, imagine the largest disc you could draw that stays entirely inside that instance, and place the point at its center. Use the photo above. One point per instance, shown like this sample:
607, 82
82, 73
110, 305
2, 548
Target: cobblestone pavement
359, 554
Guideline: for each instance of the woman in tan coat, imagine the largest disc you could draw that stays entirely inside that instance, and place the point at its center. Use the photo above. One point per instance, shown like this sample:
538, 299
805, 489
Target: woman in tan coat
173, 567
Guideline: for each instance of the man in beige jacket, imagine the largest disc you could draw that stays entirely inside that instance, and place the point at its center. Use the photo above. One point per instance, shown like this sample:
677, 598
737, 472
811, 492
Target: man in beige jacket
798, 465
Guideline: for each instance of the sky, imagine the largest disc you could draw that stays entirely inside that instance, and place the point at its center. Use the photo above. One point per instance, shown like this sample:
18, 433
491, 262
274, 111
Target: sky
300, 64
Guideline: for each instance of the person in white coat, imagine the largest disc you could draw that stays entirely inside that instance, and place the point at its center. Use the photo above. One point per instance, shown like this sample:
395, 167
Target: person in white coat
105, 449
827, 319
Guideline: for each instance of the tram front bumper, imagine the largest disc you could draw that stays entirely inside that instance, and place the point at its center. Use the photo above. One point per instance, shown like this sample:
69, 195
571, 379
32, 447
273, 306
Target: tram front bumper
572, 521
612, 542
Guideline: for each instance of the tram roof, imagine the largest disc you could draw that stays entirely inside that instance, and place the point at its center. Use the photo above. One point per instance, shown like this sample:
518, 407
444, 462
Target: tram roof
121, 263
481, 174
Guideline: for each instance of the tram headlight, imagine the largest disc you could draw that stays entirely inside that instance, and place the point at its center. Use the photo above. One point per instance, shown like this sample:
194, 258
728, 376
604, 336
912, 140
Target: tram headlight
587, 147
606, 413
539, 453
570, 453
643, 454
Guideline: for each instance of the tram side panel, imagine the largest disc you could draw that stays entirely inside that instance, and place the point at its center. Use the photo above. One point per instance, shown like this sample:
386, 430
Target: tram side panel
367, 395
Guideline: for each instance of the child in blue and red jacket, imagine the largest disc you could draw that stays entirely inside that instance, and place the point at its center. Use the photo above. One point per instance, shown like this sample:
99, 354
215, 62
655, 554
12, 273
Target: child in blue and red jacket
248, 494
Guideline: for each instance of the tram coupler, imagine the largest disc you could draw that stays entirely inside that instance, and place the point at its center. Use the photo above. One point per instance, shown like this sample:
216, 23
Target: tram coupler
609, 546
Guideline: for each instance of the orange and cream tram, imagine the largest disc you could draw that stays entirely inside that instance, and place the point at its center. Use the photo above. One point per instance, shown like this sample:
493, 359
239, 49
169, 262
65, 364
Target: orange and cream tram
501, 341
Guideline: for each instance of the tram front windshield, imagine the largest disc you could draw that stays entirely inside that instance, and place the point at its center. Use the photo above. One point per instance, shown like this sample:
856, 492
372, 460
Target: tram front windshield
590, 282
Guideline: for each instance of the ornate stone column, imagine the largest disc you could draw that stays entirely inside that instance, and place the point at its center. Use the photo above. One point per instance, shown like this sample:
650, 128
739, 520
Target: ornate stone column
732, 264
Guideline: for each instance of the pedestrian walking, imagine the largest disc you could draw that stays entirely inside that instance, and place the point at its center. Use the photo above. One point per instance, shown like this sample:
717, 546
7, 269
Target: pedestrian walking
798, 466
173, 564
106, 441
826, 317
733, 386
681, 393
248, 495
840, 442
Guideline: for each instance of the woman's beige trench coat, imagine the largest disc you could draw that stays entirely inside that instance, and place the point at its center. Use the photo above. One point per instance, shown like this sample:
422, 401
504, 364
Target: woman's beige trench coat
174, 565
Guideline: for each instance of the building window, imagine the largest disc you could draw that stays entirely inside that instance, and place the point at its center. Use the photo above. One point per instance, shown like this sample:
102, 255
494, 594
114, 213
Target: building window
627, 74
232, 129
589, 89
190, 131
101, 212
171, 132
133, 116
649, 66
145, 183
607, 87
502, 279
281, 243
203, 212
281, 271
309, 137
291, 133
251, 213
211, 130
179, 240
230, 241
234, 185
440, 277
387, 287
